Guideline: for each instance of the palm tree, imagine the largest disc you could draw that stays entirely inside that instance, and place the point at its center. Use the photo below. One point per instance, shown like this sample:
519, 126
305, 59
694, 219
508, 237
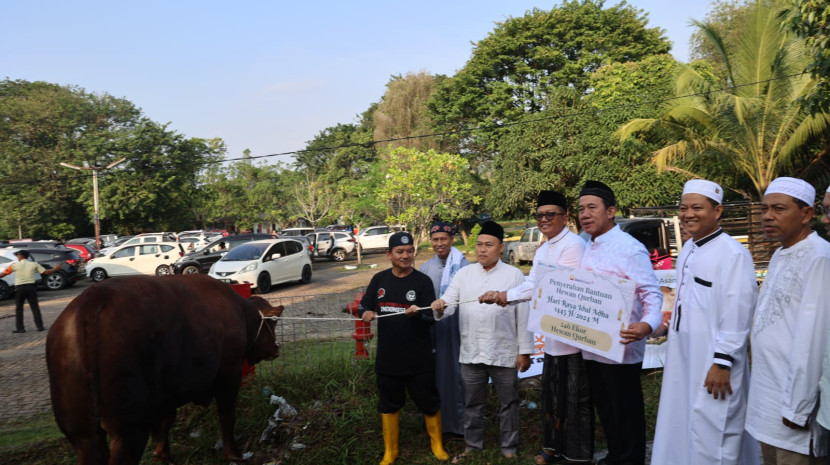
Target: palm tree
753, 130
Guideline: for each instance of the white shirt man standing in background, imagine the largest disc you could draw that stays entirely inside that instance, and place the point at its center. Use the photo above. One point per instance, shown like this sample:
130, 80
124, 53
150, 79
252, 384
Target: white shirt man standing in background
789, 332
706, 377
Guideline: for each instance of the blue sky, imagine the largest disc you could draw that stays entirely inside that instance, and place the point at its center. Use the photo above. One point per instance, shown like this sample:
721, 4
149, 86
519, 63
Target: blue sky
267, 76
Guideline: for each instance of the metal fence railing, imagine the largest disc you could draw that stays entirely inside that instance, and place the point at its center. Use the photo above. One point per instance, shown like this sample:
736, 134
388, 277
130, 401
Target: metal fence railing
314, 324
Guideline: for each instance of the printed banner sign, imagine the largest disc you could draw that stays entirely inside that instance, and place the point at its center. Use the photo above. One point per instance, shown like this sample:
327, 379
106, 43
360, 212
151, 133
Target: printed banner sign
656, 347
583, 309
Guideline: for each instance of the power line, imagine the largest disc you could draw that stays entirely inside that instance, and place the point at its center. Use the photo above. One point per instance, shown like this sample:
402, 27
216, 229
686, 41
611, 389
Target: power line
481, 127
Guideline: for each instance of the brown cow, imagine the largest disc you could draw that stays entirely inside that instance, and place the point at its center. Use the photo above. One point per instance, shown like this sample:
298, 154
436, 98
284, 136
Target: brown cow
128, 351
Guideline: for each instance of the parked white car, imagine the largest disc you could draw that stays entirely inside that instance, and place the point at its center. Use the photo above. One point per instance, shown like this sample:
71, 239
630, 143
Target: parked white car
375, 238
264, 264
191, 243
144, 258
291, 232
148, 238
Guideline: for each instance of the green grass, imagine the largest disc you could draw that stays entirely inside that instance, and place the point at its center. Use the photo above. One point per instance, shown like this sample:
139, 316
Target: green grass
337, 421
42, 428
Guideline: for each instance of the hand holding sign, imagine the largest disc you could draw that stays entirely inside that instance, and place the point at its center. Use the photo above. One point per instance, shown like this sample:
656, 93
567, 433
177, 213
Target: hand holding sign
586, 310
635, 332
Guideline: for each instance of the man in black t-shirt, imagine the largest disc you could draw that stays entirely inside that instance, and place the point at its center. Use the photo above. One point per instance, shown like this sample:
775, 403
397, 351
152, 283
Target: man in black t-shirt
404, 358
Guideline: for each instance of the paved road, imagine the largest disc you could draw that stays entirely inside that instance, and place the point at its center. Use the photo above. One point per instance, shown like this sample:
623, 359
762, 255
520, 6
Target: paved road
24, 385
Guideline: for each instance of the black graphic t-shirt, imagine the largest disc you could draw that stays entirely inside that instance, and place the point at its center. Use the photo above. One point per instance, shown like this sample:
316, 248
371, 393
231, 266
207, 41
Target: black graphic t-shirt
404, 345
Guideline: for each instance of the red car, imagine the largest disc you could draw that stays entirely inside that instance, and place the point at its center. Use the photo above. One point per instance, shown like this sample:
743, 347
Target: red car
85, 251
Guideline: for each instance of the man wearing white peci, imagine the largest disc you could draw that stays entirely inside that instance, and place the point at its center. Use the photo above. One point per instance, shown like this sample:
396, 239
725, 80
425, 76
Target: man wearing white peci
706, 377
789, 332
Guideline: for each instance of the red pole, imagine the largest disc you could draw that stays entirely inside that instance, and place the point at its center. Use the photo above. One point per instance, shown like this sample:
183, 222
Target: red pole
244, 290
362, 330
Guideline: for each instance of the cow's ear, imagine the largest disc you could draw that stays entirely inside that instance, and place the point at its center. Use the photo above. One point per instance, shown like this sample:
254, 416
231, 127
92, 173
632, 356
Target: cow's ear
273, 311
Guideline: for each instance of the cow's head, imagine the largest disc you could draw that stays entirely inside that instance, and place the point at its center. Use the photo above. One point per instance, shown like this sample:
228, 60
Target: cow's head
265, 345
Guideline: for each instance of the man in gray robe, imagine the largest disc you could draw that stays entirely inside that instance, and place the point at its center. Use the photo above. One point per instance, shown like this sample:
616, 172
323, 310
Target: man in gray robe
441, 268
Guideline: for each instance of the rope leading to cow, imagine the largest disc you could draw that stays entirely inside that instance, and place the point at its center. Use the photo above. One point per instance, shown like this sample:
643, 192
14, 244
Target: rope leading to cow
315, 318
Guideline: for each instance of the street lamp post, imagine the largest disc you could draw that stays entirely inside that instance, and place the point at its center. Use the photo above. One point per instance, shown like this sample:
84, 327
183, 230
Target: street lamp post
95, 170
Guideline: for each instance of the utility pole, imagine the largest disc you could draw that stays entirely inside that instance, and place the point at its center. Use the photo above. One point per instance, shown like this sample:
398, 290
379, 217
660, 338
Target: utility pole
95, 170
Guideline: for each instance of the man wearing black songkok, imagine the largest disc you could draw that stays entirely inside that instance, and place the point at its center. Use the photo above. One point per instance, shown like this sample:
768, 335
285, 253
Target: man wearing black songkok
495, 342
567, 411
615, 386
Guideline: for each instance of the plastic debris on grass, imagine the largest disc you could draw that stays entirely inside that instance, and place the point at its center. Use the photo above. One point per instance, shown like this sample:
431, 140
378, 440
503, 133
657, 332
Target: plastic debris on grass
284, 410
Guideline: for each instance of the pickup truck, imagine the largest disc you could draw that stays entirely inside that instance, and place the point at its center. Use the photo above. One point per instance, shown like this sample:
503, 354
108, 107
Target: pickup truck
522, 250
657, 234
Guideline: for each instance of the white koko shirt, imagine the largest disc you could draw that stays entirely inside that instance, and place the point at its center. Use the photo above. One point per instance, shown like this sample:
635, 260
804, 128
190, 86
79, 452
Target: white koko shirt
616, 253
490, 334
789, 335
716, 295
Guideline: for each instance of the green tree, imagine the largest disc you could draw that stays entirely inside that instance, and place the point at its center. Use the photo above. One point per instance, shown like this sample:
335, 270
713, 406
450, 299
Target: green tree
150, 191
355, 201
244, 194
313, 198
755, 131
418, 187
44, 124
515, 68
338, 152
730, 18
573, 140
810, 19
402, 112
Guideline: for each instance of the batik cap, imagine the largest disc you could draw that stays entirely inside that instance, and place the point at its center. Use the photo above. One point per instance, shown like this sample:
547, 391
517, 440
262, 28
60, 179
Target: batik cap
442, 227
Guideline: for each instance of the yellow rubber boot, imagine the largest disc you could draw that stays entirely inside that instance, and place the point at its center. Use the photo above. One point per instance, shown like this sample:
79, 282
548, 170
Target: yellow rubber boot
391, 429
434, 430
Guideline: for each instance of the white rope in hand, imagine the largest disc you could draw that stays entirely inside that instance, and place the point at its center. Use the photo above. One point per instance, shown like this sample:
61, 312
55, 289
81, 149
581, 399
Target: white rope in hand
315, 318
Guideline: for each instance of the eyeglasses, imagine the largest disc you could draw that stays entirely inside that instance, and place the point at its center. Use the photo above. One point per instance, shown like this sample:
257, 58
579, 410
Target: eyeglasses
548, 215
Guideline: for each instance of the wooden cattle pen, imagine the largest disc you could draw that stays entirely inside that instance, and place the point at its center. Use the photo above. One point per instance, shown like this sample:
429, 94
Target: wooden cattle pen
741, 220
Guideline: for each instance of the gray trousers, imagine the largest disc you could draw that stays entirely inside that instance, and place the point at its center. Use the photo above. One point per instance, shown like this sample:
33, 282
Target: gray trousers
506, 382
